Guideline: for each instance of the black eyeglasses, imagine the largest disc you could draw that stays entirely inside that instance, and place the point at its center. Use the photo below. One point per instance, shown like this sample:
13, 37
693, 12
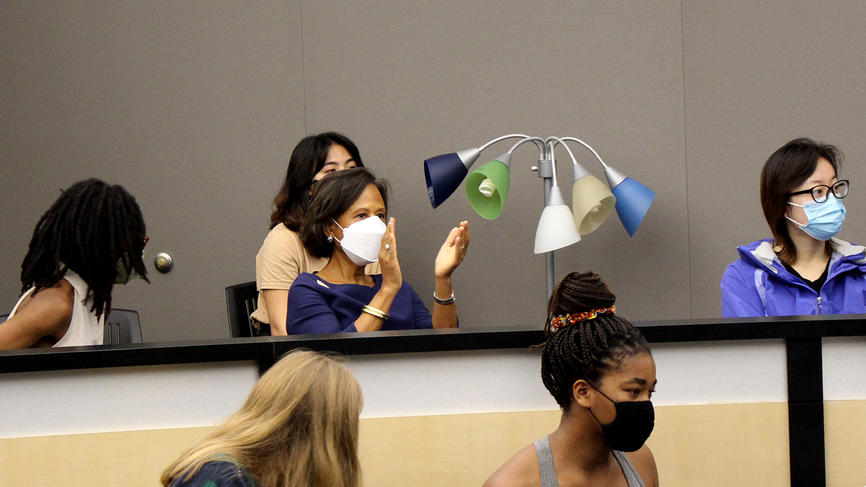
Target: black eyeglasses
821, 192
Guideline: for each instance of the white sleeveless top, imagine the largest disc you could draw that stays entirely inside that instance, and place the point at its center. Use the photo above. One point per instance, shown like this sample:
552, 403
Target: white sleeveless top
84, 328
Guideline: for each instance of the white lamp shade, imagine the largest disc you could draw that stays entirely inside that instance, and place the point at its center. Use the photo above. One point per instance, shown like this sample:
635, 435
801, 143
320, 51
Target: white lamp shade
556, 226
592, 202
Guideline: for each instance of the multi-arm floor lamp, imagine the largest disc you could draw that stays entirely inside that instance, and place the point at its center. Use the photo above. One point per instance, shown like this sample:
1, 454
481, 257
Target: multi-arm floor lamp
559, 225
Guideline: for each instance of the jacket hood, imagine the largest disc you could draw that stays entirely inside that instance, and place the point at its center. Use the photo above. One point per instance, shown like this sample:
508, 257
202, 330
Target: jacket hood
761, 254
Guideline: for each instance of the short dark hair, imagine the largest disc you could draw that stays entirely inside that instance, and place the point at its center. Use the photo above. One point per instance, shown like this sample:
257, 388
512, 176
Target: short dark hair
786, 169
332, 197
307, 159
89, 229
586, 349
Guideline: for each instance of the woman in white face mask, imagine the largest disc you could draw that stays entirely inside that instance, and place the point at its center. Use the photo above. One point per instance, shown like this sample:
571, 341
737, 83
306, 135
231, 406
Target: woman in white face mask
346, 223
282, 256
804, 269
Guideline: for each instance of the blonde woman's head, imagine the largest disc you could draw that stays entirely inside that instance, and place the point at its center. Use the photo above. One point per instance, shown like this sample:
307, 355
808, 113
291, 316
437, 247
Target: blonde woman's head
299, 426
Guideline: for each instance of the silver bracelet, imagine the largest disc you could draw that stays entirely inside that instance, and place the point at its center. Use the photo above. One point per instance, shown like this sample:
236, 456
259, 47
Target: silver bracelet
448, 300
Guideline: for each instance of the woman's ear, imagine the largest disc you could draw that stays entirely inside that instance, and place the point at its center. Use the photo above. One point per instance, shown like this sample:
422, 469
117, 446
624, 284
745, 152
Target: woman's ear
330, 231
580, 392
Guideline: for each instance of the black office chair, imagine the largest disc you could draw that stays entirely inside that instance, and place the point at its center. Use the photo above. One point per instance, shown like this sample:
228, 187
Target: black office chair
241, 301
122, 327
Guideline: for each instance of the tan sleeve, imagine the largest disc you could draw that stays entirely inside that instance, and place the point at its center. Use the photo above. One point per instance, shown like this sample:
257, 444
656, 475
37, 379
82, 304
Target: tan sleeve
280, 260
373, 269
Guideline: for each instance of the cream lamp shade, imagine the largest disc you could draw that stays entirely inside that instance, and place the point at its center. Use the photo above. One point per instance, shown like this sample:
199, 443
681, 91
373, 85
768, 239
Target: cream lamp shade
592, 202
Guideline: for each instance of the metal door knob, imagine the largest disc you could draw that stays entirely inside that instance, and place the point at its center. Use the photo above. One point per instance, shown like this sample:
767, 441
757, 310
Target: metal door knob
163, 262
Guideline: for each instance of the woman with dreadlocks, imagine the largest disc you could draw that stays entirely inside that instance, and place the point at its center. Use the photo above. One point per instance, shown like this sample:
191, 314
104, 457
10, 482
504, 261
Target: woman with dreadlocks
599, 369
90, 239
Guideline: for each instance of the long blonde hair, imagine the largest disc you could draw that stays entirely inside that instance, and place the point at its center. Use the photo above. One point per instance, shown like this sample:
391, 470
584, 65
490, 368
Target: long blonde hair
298, 427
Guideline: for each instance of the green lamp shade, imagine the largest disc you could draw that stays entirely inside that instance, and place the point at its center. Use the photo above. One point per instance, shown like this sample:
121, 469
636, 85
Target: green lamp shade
592, 203
487, 188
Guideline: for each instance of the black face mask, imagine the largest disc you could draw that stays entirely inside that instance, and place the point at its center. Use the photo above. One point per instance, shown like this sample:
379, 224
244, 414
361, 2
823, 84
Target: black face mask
632, 425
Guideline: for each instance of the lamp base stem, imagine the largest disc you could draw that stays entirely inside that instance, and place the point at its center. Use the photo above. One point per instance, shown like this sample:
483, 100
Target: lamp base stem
545, 172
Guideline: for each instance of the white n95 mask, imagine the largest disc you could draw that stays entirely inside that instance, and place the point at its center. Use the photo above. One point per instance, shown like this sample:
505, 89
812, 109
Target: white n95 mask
361, 240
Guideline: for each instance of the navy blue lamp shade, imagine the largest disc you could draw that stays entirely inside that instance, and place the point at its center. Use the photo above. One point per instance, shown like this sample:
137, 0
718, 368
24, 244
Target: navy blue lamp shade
445, 173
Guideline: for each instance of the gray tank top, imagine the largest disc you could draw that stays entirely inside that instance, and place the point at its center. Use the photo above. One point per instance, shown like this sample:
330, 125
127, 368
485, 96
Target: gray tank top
548, 471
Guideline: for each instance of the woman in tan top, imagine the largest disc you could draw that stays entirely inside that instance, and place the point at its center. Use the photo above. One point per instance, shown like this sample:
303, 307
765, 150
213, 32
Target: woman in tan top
282, 255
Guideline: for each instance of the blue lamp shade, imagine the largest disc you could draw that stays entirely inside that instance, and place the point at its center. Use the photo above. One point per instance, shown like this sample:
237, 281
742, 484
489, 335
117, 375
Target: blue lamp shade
445, 173
633, 200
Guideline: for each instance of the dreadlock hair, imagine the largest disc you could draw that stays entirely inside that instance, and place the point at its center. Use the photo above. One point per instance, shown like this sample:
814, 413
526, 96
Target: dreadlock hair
586, 349
89, 229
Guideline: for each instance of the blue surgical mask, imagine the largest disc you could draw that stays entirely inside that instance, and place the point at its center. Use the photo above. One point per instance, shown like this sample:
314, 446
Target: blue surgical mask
824, 219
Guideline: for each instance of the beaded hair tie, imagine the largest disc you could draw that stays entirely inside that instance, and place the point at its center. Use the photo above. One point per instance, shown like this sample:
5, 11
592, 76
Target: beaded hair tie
561, 321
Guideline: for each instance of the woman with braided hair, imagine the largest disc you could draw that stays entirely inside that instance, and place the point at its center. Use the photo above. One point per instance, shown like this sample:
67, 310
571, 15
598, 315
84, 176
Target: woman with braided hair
599, 369
90, 239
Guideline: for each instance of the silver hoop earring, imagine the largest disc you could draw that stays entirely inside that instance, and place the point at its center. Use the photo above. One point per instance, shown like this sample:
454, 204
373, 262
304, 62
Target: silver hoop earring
330, 239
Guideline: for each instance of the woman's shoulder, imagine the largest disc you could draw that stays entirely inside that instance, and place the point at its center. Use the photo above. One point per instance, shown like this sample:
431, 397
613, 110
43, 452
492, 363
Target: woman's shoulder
521, 470
38, 315
217, 473
282, 236
759, 253
76, 281
313, 283
645, 463
281, 250
848, 250
761, 246
308, 279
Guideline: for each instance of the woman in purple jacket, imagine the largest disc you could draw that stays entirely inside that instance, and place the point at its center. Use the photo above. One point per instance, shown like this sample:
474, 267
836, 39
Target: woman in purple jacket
803, 269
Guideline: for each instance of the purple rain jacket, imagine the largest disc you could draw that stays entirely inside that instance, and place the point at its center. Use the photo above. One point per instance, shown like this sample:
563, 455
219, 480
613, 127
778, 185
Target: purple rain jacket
757, 284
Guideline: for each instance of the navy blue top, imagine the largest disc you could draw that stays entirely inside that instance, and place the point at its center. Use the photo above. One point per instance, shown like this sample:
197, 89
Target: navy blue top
217, 473
317, 306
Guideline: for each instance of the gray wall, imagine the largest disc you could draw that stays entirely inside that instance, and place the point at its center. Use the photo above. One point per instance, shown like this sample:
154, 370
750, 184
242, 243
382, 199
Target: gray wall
195, 107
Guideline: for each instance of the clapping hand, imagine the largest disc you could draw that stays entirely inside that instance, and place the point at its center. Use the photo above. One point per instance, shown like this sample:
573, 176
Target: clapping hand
453, 251
392, 276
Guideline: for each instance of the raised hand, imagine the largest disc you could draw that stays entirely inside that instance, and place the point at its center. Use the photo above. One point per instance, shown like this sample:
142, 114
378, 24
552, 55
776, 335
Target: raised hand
453, 251
392, 276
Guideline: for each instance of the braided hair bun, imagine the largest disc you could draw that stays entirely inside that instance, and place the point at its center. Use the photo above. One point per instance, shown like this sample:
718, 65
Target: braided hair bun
587, 348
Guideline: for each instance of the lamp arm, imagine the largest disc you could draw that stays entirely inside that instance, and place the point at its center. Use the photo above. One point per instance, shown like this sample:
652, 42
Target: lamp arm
498, 139
573, 139
536, 140
579, 171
